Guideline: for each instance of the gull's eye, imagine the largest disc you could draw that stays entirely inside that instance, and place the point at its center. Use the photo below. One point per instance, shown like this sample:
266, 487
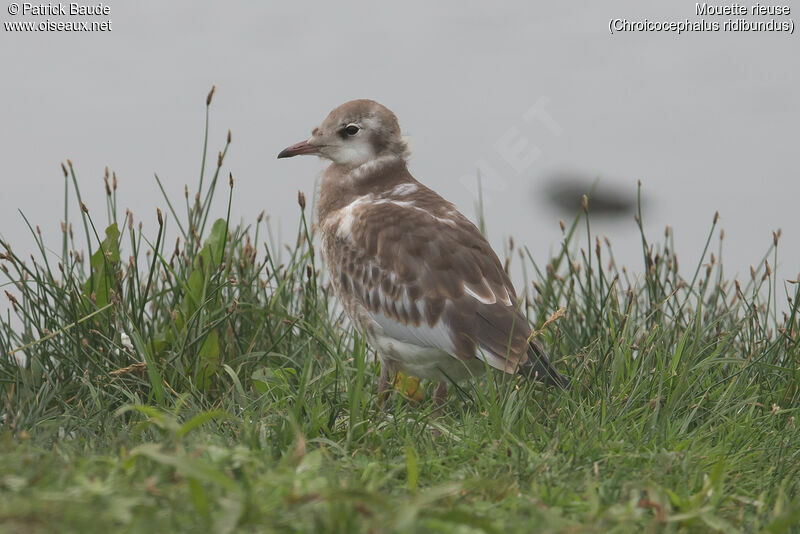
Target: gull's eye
351, 129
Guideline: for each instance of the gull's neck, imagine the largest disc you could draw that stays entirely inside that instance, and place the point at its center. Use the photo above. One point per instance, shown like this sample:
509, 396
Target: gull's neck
342, 184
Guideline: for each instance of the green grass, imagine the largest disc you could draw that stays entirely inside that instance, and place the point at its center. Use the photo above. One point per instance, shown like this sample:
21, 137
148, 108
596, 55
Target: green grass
215, 386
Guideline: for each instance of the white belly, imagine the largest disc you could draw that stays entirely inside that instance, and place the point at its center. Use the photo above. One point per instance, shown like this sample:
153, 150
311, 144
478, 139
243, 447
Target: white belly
429, 362
423, 362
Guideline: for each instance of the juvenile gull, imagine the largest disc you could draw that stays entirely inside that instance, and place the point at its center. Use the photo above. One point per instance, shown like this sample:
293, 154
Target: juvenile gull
416, 277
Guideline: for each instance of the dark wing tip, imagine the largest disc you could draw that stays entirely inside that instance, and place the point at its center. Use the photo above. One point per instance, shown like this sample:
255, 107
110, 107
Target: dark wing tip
538, 367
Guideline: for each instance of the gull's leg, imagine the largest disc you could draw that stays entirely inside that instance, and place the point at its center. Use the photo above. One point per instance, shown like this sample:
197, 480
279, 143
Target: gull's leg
383, 384
440, 395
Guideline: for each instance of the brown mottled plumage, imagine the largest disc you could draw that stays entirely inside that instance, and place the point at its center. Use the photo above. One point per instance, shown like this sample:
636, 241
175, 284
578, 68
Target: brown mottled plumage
414, 275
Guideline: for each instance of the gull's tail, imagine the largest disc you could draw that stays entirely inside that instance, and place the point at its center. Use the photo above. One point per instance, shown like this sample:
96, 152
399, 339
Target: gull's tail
538, 367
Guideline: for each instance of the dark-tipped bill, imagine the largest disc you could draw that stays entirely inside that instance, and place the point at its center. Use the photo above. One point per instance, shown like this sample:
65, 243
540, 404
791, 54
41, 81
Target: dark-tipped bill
297, 149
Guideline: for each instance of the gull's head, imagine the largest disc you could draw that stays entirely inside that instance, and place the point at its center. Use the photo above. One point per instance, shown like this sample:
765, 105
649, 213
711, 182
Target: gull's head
354, 133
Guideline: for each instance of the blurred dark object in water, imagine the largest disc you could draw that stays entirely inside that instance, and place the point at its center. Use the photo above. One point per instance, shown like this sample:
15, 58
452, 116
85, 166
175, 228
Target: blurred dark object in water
564, 191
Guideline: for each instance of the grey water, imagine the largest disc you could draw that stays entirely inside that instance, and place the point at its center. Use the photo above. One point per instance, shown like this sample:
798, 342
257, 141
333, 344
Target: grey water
539, 99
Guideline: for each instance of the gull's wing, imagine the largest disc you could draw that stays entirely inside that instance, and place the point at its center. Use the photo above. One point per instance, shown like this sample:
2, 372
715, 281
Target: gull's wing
426, 275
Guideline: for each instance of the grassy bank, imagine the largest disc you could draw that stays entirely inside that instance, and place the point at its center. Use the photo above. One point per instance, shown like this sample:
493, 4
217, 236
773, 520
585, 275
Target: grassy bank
213, 385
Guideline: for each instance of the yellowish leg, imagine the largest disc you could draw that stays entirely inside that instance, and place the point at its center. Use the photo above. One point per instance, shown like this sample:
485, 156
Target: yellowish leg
409, 386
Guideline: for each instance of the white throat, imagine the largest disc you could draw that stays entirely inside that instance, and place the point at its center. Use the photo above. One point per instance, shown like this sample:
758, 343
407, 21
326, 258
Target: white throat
353, 154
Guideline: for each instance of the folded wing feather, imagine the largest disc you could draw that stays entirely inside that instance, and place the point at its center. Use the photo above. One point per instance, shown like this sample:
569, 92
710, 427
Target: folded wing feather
426, 275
